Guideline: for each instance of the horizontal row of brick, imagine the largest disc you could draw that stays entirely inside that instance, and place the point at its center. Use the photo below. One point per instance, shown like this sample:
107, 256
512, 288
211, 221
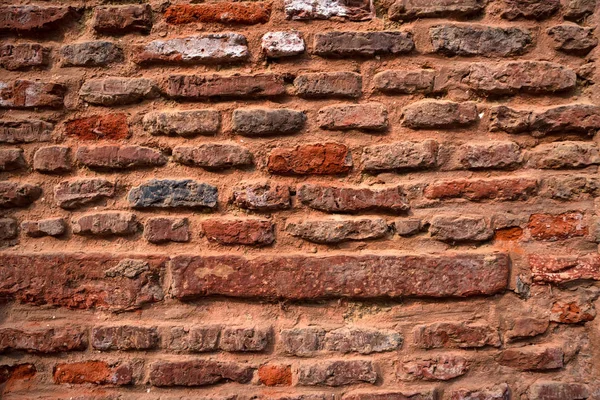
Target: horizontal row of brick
222, 48
138, 18
451, 228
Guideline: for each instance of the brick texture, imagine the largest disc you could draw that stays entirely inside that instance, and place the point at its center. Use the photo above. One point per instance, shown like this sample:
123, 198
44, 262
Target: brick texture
299, 200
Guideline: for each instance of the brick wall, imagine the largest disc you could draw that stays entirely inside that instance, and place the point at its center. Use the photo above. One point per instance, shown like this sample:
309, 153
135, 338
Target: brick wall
299, 200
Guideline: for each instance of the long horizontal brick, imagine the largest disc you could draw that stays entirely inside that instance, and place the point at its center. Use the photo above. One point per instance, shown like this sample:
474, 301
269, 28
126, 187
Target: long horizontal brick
267, 122
213, 156
352, 199
80, 192
337, 230
119, 157
170, 193
198, 373
31, 18
199, 87
560, 269
246, 13
283, 44
116, 91
90, 54
503, 189
406, 10
401, 156
31, 94
443, 367
435, 114
554, 390
311, 159
533, 358
203, 49
404, 81
183, 123
122, 19
242, 231
81, 280
568, 154
262, 196
456, 335
14, 194
96, 372
403, 394
361, 10
24, 56
368, 117
311, 278
530, 9
108, 223
124, 337
44, 227
328, 84
25, 131
490, 154
45, 341
362, 44
107, 126
337, 373
497, 392
477, 40
573, 39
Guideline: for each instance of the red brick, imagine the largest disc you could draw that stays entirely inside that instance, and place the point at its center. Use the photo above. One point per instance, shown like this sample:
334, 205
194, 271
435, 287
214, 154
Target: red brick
440, 368
328, 84
96, 372
352, 199
502, 189
311, 159
460, 228
199, 87
52, 159
81, 192
406, 10
213, 156
529, 9
455, 335
30, 94
337, 230
30, 18
198, 373
162, 230
13, 194
106, 224
362, 340
532, 358
183, 123
239, 231
362, 44
10, 373
119, 157
302, 342
240, 339
124, 337
275, 375
24, 56
557, 227
490, 155
337, 373
123, 19
111, 126
434, 114
368, 117
303, 277
25, 131
401, 156
548, 390
527, 327
404, 82
560, 269
11, 159
246, 13
499, 392
78, 280
262, 196
46, 340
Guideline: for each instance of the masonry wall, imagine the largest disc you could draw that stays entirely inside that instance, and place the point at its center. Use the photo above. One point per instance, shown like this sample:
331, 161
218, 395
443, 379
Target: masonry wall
299, 200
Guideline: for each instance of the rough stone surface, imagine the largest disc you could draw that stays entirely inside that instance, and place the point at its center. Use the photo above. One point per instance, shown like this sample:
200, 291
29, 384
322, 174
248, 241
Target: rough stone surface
559, 269
318, 159
198, 373
283, 44
328, 84
405, 10
123, 19
460, 228
337, 230
362, 44
44, 227
351, 200
337, 373
496, 155
26, 18
431, 114
80, 192
124, 337
401, 156
52, 159
442, 368
9, 229
530, 9
266, 122
111, 126
14, 194
183, 123
213, 156
119, 157
162, 230
31, 94
573, 39
324, 9
25, 131
549, 390
532, 358
245, 13
575, 10
368, 117
262, 196
169, 193
457, 40
117, 91
106, 224
198, 87
239, 231
24, 56
404, 82
503, 189
11, 159
456, 335
90, 54
45, 341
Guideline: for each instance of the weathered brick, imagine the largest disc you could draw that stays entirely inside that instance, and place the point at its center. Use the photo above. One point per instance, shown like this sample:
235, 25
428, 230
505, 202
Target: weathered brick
23, 131
575, 118
44, 227
564, 155
337, 373
406, 10
80, 280
362, 44
328, 84
311, 159
460, 228
302, 342
573, 310
194, 339
401, 156
162, 230
11, 159
31, 94
570, 187
117, 91
80, 192
213, 48
111, 126
198, 373
27, 18
526, 328
8, 229
557, 227
170, 193
119, 157
14, 194
362, 340
548, 390
275, 375
573, 39
367, 116
478, 40
361, 10
11, 373
352, 199
267, 122
187, 123
199, 87
507, 78
404, 82
433, 114
262, 196
498, 392
52, 159
96, 372
246, 13
302, 277
213, 156
45, 341
24, 56
502, 189
440, 368
575, 10
122, 19
106, 223
529, 9
404, 394
532, 358
408, 226
455, 335
241, 339
337, 230
90, 54
239, 231
492, 154
559, 269
124, 337
283, 44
